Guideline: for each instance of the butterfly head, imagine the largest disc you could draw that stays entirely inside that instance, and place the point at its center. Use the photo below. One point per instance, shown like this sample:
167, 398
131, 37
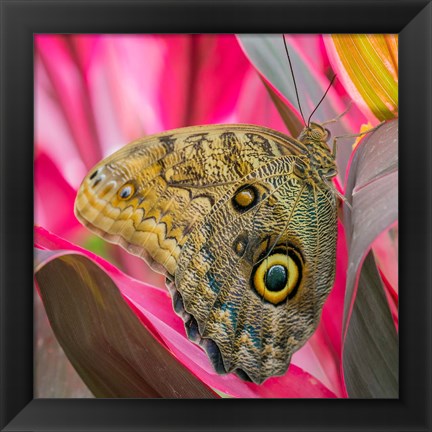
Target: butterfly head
314, 132
322, 159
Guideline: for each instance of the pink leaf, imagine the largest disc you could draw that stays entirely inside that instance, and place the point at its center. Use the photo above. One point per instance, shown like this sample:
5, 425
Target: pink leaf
54, 197
70, 91
202, 79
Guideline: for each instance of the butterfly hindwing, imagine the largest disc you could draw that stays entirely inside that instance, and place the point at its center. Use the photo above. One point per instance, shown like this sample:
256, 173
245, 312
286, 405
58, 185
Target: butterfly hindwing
216, 271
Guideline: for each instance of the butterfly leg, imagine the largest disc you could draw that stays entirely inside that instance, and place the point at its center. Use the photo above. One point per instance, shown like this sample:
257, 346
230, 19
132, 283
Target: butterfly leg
352, 136
334, 148
334, 120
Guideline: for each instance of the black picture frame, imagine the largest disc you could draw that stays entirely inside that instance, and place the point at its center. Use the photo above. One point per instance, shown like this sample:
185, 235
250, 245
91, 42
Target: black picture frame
411, 19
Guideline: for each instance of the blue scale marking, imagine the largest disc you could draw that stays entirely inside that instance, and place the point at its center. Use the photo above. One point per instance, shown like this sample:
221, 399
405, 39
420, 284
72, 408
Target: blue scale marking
253, 335
214, 284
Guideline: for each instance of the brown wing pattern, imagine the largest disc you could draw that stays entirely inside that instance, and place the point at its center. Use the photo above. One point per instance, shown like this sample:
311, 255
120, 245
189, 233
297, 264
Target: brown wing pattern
176, 178
229, 214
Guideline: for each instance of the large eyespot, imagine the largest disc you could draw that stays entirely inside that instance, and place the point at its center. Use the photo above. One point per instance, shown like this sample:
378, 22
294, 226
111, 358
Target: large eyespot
126, 191
245, 198
278, 276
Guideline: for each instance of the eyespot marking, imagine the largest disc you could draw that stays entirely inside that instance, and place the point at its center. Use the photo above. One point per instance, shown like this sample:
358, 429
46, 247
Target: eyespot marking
245, 198
277, 277
126, 191
240, 245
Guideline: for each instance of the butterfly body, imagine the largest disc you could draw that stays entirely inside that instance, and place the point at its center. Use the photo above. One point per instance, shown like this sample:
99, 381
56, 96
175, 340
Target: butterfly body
242, 221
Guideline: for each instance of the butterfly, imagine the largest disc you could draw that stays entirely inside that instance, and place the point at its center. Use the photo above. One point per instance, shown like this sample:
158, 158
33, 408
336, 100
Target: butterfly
241, 219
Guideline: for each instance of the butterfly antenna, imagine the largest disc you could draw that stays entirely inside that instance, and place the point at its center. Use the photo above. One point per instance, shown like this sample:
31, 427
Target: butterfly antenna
319, 103
292, 74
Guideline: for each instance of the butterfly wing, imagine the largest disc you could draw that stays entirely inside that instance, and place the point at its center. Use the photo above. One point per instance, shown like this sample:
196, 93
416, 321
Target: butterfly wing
245, 237
150, 194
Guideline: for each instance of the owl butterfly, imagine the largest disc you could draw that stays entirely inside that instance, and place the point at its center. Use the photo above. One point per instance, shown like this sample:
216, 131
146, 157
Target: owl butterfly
241, 219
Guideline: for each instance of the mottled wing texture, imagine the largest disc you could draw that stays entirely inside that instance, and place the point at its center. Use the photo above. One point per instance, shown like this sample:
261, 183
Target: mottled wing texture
206, 206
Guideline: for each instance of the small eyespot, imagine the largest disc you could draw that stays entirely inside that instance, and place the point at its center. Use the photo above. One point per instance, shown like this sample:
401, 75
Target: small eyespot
245, 198
278, 276
126, 191
240, 244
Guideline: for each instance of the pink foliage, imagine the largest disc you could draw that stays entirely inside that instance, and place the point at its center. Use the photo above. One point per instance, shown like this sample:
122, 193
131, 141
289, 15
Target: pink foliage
94, 94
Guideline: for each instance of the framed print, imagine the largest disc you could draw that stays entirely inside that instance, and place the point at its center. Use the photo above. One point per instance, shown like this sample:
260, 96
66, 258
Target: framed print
244, 244
240, 219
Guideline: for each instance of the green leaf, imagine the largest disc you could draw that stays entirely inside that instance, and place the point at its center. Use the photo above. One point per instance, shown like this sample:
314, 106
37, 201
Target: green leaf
372, 188
97, 245
112, 351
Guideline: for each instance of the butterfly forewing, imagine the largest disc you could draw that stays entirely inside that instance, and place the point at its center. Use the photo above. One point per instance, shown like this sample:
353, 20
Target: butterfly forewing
240, 222
175, 179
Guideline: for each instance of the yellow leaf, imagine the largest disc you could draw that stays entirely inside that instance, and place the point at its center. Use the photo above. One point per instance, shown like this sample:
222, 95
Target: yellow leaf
370, 63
